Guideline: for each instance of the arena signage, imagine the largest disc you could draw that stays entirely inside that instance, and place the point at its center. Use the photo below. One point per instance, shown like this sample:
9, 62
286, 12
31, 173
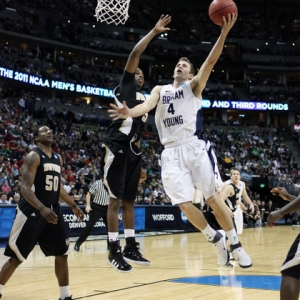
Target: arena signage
244, 105
98, 91
55, 84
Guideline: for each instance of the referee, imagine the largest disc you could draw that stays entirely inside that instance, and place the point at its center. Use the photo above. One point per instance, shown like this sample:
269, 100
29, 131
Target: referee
97, 208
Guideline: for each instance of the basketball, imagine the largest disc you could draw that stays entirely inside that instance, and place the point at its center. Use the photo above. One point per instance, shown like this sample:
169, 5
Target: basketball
220, 8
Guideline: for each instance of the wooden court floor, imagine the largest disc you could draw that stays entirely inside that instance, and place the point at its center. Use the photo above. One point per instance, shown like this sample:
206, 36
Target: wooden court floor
173, 256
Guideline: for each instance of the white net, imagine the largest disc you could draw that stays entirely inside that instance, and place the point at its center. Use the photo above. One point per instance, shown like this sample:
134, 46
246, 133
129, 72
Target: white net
112, 11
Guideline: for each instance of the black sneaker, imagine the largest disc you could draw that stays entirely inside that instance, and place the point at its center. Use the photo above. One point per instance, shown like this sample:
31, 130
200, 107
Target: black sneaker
67, 298
76, 247
116, 260
132, 254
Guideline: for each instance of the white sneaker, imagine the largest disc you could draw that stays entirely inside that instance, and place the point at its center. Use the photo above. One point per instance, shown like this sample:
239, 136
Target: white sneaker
240, 255
220, 244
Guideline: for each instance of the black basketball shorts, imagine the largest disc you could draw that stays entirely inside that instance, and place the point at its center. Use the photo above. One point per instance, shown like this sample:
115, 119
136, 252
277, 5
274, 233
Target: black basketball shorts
121, 170
291, 266
29, 230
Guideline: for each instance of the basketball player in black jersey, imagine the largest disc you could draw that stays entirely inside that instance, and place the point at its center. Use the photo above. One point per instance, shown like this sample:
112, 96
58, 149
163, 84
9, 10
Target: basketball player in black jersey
290, 269
38, 218
122, 158
231, 194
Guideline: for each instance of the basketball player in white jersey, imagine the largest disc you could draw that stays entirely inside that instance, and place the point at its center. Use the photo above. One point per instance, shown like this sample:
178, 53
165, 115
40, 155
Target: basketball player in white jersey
185, 159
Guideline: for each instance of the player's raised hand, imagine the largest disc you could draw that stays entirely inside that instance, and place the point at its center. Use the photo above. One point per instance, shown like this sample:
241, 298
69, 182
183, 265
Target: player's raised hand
229, 22
281, 192
118, 112
163, 21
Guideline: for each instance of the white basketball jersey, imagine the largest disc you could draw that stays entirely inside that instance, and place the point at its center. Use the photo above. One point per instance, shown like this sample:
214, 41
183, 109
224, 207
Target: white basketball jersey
177, 113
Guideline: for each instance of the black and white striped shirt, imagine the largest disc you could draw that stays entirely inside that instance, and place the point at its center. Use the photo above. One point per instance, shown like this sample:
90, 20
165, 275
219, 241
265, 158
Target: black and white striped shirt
101, 196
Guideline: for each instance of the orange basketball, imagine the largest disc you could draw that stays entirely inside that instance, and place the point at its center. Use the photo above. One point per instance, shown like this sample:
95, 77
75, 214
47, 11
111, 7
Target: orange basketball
220, 8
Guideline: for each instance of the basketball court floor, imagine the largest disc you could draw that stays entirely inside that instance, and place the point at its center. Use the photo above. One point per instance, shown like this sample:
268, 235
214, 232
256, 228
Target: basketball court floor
183, 266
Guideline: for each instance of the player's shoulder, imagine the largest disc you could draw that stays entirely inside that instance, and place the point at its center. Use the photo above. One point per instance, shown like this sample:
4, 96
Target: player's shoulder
158, 88
242, 183
32, 158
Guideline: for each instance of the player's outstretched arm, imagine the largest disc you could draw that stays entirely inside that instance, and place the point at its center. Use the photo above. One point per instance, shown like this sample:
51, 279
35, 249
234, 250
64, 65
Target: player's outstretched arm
282, 192
134, 57
278, 214
199, 81
118, 112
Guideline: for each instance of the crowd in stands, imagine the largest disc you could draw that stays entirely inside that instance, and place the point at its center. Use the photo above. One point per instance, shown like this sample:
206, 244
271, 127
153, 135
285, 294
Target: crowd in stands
279, 96
290, 26
249, 26
72, 68
259, 152
184, 29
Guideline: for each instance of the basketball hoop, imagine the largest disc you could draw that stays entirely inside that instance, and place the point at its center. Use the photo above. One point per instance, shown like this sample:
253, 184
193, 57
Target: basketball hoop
112, 11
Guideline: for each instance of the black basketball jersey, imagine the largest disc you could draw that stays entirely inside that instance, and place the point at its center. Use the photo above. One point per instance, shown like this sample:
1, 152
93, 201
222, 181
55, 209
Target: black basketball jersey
235, 197
129, 129
47, 180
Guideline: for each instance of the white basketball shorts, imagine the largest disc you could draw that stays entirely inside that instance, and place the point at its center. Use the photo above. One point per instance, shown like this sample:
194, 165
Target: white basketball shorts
186, 164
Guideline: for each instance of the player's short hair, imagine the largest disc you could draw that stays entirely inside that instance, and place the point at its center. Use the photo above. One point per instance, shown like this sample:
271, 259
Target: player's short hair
36, 131
192, 70
234, 169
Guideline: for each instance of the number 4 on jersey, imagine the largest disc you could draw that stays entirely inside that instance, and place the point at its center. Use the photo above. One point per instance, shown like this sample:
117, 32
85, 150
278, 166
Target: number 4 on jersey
171, 109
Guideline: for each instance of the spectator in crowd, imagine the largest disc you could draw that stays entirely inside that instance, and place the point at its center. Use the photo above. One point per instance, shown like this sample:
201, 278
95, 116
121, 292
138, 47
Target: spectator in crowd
3, 199
268, 209
5, 187
16, 198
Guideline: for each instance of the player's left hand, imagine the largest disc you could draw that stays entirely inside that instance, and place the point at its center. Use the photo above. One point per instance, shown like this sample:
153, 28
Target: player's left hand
274, 216
118, 112
79, 213
162, 23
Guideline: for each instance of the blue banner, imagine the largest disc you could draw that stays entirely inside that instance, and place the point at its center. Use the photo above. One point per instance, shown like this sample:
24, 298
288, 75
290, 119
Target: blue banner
75, 227
7, 215
146, 218
139, 218
165, 217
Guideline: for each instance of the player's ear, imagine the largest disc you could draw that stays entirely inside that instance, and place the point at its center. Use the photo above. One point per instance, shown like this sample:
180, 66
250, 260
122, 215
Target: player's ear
191, 76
